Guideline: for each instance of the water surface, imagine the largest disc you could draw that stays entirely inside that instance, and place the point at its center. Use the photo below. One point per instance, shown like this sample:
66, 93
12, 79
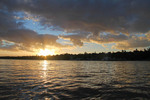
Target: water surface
65, 80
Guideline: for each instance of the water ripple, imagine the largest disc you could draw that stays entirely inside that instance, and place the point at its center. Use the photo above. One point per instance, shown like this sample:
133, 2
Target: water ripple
75, 80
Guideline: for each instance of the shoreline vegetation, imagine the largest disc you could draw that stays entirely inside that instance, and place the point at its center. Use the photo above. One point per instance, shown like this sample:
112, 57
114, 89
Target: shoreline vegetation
136, 55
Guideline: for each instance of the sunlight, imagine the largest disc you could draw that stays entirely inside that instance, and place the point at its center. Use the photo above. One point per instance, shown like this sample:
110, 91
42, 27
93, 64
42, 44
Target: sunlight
44, 76
45, 65
46, 52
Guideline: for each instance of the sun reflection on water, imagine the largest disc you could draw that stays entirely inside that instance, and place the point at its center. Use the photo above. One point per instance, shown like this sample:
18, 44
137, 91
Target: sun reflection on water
45, 65
44, 68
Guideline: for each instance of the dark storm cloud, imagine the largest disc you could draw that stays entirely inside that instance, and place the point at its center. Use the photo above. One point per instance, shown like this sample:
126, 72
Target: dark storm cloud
7, 21
91, 16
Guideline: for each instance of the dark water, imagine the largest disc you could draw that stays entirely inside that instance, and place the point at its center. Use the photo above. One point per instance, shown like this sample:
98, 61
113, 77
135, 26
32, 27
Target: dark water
67, 80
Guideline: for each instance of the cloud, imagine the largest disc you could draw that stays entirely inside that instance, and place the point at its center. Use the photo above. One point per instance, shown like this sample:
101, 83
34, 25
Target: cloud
24, 38
88, 18
79, 39
108, 38
76, 39
14, 36
91, 15
7, 21
134, 42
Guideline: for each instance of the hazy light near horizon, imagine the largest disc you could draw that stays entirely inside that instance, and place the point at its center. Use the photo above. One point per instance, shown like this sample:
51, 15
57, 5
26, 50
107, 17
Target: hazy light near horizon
46, 52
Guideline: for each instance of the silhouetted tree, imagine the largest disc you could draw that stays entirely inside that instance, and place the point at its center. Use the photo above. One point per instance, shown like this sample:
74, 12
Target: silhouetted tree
123, 55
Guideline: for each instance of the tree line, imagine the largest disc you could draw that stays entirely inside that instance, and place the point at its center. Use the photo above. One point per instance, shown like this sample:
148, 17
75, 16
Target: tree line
110, 56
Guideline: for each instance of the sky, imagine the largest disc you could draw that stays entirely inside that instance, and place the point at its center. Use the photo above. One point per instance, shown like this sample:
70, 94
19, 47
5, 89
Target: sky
73, 26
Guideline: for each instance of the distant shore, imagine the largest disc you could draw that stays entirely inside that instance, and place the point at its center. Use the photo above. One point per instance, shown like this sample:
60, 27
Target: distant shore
18, 58
136, 55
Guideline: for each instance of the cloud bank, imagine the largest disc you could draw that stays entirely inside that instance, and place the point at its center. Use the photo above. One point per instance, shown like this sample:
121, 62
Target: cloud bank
96, 21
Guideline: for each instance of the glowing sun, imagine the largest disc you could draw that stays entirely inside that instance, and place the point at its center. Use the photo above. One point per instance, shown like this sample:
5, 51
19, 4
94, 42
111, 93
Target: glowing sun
46, 52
